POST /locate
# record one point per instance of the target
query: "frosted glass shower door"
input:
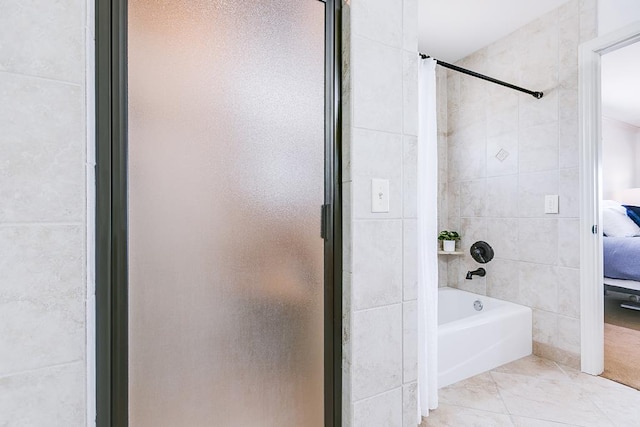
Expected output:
(225, 184)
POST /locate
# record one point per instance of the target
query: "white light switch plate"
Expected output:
(379, 195)
(551, 204)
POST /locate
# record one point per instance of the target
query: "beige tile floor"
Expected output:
(536, 392)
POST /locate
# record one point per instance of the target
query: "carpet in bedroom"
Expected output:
(621, 355)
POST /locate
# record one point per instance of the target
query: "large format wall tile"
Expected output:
(410, 25)
(538, 240)
(42, 293)
(41, 262)
(410, 93)
(464, 162)
(538, 148)
(569, 292)
(410, 177)
(538, 285)
(568, 337)
(377, 263)
(379, 20)
(537, 112)
(37, 333)
(568, 235)
(377, 351)
(347, 227)
(473, 198)
(382, 410)
(502, 197)
(410, 259)
(568, 144)
(502, 235)
(41, 150)
(52, 397)
(43, 38)
(545, 326)
(409, 348)
(503, 280)
(377, 86)
(569, 190)
(410, 405)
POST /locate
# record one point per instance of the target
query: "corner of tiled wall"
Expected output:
(537, 255)
(43, 213)
(443, 198)
(379, 141)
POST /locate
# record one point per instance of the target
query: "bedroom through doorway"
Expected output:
(620, 209)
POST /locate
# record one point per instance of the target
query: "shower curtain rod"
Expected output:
(536, 95)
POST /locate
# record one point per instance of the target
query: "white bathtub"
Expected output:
(471, 342)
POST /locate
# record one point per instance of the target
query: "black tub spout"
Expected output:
(479, 272)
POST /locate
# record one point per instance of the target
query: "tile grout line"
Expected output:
(500, 394)
(34, 370)
(40, 224)
(379, 394)
(586, 392)
(33, 76)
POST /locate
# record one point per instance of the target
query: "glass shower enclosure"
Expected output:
(225, 183)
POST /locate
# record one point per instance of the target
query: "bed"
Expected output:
(621, 249)
(622, 264)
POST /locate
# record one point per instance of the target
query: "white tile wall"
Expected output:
(378, 20)
(377, 351)
(410, 405)
(377, 283)
(537, 254)
(377, 95)
(52, 396)
(382, 410)
(43, 38)
(42, 150)
(43, 213)
(410, 260)
(538, 240)
(380, 107)
(410, 338)
(410, 177)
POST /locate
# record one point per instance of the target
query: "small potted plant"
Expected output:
(449, 240)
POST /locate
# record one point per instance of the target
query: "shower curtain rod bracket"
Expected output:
(535, 94)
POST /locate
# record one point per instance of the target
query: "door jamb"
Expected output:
(591, 258)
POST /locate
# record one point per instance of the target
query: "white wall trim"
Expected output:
(591, 269)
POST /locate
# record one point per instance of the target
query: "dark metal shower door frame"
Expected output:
(111, 215)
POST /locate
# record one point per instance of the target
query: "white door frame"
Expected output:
(591, 269)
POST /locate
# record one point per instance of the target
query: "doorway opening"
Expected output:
(592, 221)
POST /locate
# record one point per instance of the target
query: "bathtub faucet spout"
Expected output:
(479, 272)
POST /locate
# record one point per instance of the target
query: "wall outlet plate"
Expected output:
(551, 203)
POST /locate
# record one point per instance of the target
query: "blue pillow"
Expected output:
(633, 212)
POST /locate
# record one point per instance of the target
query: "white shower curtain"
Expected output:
(427, 238)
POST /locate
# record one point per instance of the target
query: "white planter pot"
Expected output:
(449, 245)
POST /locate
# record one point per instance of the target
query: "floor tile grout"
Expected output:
(538, 374)
(500, 395)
